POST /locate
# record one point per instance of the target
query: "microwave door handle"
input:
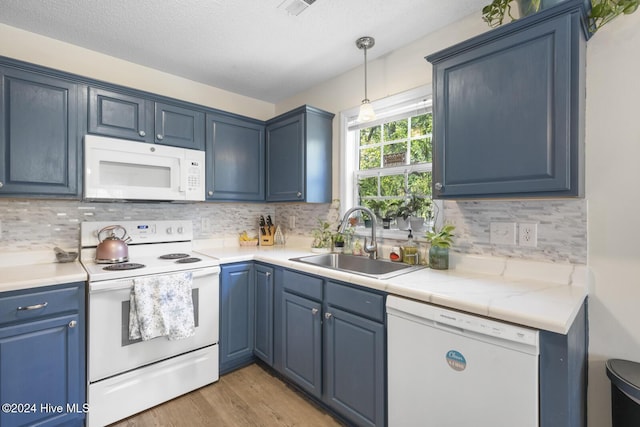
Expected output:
(183, 175)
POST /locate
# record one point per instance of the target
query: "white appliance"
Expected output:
(452, 369)
(117, 169)
(128, 376)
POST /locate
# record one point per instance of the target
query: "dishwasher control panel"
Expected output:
(425, 312)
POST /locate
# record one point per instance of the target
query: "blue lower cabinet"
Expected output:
(42, 362)
(263, 340)
(354, 367)
(333, 345)
(302, 342)
(237, 311)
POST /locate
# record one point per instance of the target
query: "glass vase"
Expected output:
(439, 258)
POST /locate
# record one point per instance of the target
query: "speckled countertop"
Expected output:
(536, 294)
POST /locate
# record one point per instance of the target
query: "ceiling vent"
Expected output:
(295, 7)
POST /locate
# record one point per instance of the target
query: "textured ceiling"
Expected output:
(250, 47)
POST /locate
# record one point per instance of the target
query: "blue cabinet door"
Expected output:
(263, 344)
(509, 108)
(179, 126)
(39, 140)
(235, 159)
(120, 115)
(40, 366)
(286, 159)
(354, 366)
(302, 342)
(237, 305)
(299, 147)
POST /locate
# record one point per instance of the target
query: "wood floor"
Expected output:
(249, 396)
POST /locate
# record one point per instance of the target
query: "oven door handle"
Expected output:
(120, 284)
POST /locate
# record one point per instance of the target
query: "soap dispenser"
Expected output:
(410, 251)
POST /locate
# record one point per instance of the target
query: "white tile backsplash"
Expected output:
(43, 224)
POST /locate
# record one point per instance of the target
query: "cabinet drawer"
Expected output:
(57, 301)
(355, 301)
(302, 284)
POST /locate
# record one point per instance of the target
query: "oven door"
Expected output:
(110, 350)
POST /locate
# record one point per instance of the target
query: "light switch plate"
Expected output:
(502, 233)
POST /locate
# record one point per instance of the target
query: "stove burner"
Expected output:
(188, 260)
(123, 266)
(174, 256)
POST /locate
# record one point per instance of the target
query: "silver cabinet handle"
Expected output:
(73, 324)
(160, 137)
(328, 315)
(438, 186)
(299, 194)
(33, 307)
(1, 184)
(210, 193)
(142, 133)
(267, 274)
(314, 311)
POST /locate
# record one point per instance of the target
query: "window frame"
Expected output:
(349, 161)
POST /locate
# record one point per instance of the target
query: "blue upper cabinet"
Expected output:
(120, 115)
(38, 134)
(235, 158)
(509, 109)
(299, 156)
(135, 117)
(179, 126)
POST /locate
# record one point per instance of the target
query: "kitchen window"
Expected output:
(387, 162)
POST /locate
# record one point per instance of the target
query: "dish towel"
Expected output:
(161, 306)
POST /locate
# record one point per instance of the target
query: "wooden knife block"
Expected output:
(267, 239)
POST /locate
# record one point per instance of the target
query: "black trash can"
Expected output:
(625, 392)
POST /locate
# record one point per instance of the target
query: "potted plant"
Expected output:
(322, 237)
(440, 241)
(338, 243)
(414, 209)
(602, 11)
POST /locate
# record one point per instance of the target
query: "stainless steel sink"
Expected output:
(376, 268)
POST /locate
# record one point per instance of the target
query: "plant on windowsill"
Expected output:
(415, 210)
(338, 243)
(322, 237)
(602, 11)
(440, 241)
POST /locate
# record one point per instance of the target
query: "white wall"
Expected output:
(34, 48)
(613, 178)
(613, 174)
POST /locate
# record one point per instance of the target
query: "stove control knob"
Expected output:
(180, 230)
(170, 230)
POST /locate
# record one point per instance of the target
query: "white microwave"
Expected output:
(116, 169)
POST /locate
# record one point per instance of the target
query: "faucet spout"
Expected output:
(372, 247)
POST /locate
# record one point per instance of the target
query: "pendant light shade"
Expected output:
(366, 110)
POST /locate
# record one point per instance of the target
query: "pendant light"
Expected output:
(366, 110)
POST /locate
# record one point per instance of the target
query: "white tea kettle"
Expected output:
(113, 248)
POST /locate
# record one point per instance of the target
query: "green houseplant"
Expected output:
(322, 237)
(440, 241)
(415, 209)
(602, 11)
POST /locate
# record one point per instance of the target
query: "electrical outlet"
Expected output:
(205, 225)
(502, 233)
(292, 222)
(528, 234)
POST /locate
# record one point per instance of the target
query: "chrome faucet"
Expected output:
(371, 249)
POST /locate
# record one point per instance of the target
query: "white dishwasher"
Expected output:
(452, 369)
